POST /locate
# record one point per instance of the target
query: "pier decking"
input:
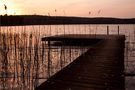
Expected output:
(100, 68)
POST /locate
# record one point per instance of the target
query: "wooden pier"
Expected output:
(100, 68)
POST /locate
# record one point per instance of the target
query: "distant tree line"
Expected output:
(45, 20)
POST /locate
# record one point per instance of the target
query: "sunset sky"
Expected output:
(89, 8)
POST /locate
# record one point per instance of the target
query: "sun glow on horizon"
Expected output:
(84, 8)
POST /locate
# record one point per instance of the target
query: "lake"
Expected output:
(24, 58)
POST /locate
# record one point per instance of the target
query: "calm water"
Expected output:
(39, 31)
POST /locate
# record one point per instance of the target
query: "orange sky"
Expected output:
(97, 8)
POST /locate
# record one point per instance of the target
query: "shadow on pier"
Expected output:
(100, 68)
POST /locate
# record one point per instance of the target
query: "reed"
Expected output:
(16, 58)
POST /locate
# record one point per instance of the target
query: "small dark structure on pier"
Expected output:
(100, 68)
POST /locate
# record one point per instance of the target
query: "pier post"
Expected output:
(61, 59)
(70, 54)
(49, 60)
(107, 30)
(118, 30)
